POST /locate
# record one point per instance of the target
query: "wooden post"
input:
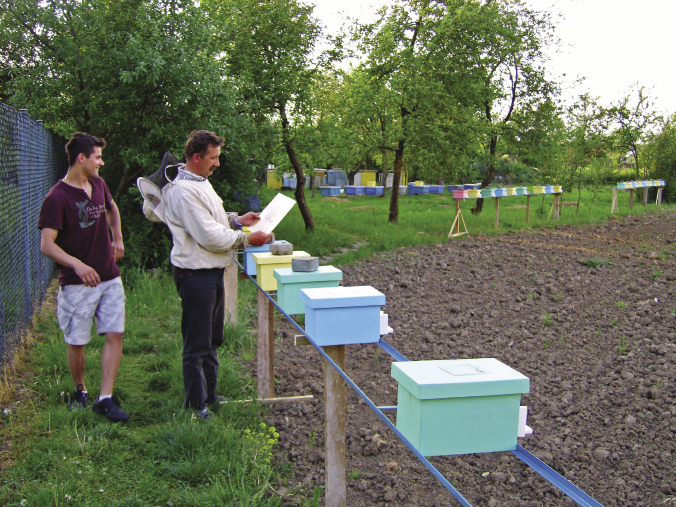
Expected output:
(631, 198)
(557, 197)
(527, 208)
(497, 212)
(457, 210)
(266, 346)
(334, 416)
(645, 197)
(613, 206)
(230, 280)
(658, 200)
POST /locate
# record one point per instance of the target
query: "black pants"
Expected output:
(203, 303)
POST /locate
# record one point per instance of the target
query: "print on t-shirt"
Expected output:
(88, 214)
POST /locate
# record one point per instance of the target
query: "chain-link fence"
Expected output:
(32, 159)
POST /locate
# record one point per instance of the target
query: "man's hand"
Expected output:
(259, 238)
(118, 249)
(88, 275)
(249, 219)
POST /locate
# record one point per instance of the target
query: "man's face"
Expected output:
(92, 163)
(207, 165)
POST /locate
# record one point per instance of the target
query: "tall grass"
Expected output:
(163, 455)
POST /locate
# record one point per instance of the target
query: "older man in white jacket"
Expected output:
(204, 237)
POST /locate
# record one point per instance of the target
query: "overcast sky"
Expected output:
(611, 44)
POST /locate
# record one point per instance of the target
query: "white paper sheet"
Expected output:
(273, 214)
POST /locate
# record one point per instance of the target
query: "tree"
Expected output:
(509, 54)
(140, 73)
(635, 118)
(661, 156)
(269, 46)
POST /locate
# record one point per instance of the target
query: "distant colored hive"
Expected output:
(459, 406)
(487, 192)
(500, 192)
(437, 189)
(374, 190)
(538, 189)
(266, 263)
(460, 194)
(421, 189)
(329, 191)
(558, 189)
(511, 191)
(342, 315)
(290, 283)
(549, 189)
(474, 193)
(354, 190)
(521, 190)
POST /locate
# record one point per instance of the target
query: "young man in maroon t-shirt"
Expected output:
(75, 217)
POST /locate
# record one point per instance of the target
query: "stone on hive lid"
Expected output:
(305, 264)
(281, 248)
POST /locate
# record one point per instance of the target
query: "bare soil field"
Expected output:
(598, 344)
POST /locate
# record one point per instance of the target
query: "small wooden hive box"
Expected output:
(474, 193)
(289, 284)
(266, 263)
(500, 192)
(354, 190)
(437, 189)
(487, 192)
(460, 194)
(511, 191)
(373, 190)
(538, 189)
(329, 191)
(558, 189)
(249, 264)
(342, 315)
(549, 189)
(521, 190)
(459, 406)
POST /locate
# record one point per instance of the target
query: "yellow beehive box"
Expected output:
(538, 189)
(474, 193)
(511, 191)
(557, 189)
(266, 263)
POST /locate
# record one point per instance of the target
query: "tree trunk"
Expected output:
(383, 166)
(394, 198)
(490, 174)
(297, 168)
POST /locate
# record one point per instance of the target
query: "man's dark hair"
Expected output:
(81, 142)
(200, 141)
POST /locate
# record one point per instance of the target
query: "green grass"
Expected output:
(164, 455)
(347, 233)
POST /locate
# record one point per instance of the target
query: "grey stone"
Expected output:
(281, 248)
(305, 264)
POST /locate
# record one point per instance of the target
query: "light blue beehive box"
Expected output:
(289, 284)
(342, 315)
(459, 406)
(329, 191)
(249, 264)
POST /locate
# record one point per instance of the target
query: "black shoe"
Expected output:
(79, 400)
(216, 399)
(111, 409)
(204, 414)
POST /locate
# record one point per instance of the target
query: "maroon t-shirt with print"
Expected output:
(83, 228)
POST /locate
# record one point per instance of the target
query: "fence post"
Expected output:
(266, 346)
(25, 154)
(230, 279)
(334, 408)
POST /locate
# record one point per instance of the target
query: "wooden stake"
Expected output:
(645, 197)
(334, 415)
(557, 209)
(266, 347)
(631, 198)
(230, 281)
(659, 196)
(458, 217)
(457, 211)
(497, 212)
(527, 208)
(613, 207)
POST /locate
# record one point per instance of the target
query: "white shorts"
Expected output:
(78, 304)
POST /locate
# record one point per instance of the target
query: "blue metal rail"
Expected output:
(575, 493)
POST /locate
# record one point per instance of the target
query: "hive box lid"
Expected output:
(253, 249)
(268, 258)
(342, 297)
(323, 273)
(459, 378)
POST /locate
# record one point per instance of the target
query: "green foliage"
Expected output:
(661, 157)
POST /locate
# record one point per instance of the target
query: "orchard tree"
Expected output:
(269, 46)
(512, 85)
(635, 119)
(142, 74)
(661, 157)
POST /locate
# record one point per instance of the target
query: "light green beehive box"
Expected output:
(289, 284)
(459, 406)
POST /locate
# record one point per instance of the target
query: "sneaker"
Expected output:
(204, 414)
(216, 399)
(110, 407)
(79, 400)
